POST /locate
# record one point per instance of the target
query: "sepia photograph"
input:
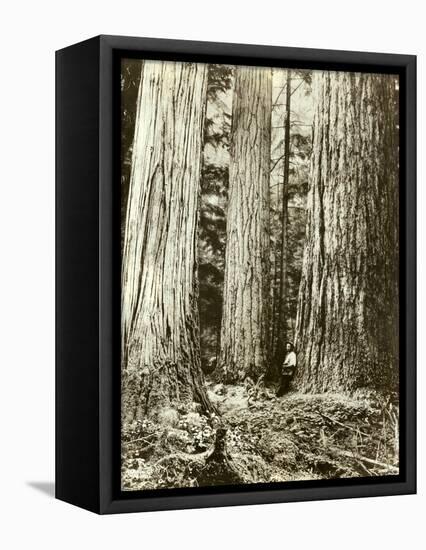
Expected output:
(259, 274)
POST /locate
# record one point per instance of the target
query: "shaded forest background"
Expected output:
(308, 162)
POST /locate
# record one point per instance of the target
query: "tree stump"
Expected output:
(220, 468)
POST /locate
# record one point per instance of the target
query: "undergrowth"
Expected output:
(268, 439)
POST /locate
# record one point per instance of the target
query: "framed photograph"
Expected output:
(235, 274)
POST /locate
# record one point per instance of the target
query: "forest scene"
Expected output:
(260, 274)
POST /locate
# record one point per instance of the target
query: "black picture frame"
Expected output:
(88, 274)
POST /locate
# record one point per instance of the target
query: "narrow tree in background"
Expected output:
(290, 152)
(160, 334)
(347, 324)
(244, 333)
(282, 299)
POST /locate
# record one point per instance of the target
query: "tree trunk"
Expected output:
(347, 323)
(282, 300)
(244, 333)
(160, 333)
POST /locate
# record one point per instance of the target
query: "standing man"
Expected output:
(287, 370)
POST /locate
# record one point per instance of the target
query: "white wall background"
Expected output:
(30, 31)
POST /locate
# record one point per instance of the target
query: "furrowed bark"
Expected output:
(160, 329)
(347, 323)
(244, 333)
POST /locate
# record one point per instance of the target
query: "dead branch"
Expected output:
(357, 430)
(348, 454)
(144, 439)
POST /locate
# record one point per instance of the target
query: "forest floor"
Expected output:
(265, 439)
